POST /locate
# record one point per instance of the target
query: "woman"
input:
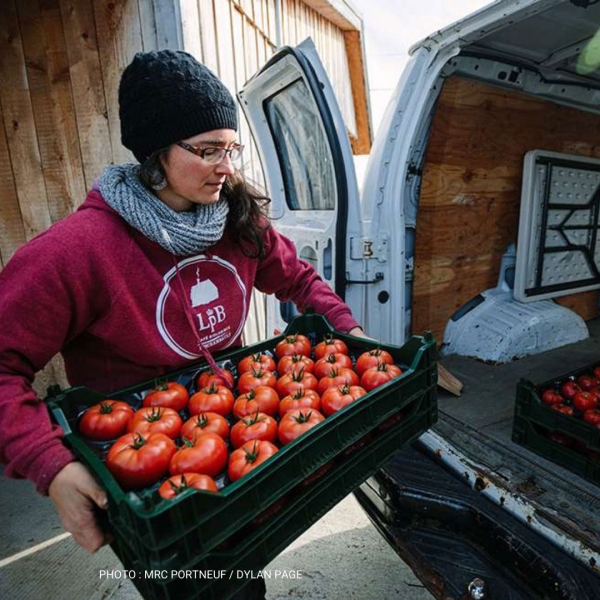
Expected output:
(154, 270)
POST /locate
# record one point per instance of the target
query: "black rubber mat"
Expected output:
(450, 535)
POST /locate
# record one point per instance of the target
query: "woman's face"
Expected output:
(191, 179)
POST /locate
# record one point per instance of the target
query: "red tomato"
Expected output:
(336, 378)
(592, 416)
(214, 398)
(586, 382)
(330, 345)
(336, 398)
(203, 423)
(177, 484)
(296, 422)
(301, 398)
(207, 454)
(569, 389)
(331, 362)
(208, 377)
(563, 408)
(255, 362)
(262, 398)
(597, 373)
(295, 362)
(106, 420)
(372, 358)
(156, 419)
(290, 382)
(376, 376)
(170, 395)
(584, 401)
(251, 379)
(258, 426)
(248, 457)
(551, 397)
(293, 344)
(137, 460)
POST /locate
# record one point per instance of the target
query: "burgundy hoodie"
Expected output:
(112, 302)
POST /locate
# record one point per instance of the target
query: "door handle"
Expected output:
(378, 277)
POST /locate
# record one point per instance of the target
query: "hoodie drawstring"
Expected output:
(187, 310)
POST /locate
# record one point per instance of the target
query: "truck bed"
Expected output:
(479, 425)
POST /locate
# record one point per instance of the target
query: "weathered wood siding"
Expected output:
(471, 190)
(60, 65)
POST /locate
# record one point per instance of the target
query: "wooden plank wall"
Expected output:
(60, 61)
(60, 65)
(471, 188)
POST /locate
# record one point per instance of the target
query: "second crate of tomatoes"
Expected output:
(559, 419)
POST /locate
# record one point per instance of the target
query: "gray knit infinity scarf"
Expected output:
(181, 233)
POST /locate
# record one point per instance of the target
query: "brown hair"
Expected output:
(151, 170)
(248, 215)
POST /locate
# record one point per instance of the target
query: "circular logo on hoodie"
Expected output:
(203, 300)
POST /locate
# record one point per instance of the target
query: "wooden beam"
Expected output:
(12, 233)
(19, 125)
(48, 75)
(338, 12)
(190, 28)
(147, 26)
(87, 87)
(119, 36)
(360, 94)
(208, 38)
(168, 24)
(225, 44)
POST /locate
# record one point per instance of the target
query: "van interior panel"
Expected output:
(471, 191)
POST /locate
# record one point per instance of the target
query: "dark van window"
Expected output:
(302, 148)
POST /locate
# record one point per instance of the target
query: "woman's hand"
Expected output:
(358, 332)
(76, 494)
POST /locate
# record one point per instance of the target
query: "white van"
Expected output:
(479, 221)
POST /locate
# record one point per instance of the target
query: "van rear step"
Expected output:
(450, 536)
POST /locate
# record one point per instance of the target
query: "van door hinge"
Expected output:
(369, 249)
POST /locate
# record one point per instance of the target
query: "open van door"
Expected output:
(309, 170)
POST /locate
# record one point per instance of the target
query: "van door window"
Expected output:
(302, 148)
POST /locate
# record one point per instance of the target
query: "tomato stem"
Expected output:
(251, 455)
(254, 418)
(106, 407)
(302, 417)
(138, 441)
(154, 414)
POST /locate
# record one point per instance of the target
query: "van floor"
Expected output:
(479, 424)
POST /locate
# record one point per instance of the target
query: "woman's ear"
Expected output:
(163, 158)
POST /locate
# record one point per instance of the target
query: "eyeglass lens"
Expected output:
(215, 155)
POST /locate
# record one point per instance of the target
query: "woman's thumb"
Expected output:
(100, 498)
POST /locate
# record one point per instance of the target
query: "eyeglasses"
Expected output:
(214, 154)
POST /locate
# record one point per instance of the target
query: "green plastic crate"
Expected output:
(196, 527)
(534, 422)
(256, 545)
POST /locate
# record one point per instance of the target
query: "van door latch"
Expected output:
(378, 277)
(362, 248)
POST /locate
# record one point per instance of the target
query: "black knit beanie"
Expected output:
(166, 96)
